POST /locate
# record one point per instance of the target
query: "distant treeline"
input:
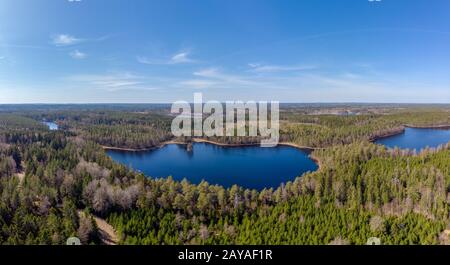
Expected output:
(139, 130)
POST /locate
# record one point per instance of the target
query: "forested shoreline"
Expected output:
(146, 131)
(361, 189)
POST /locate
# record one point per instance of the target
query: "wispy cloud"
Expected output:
(215, 78)
(112, 82)
(197, 83)
(145, 60)
(265, 68)
(178, 58)
(76, 54)
(349, 75)
(6, 60)
(65, 40)
(209, 72)
(221, 77)
(22, 46)
(298, 87)
(61, 40)
(182, 57)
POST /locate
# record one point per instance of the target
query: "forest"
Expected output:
(56, 184)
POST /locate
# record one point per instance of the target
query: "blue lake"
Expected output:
(251, 167)
(51, 125)
(414, 138)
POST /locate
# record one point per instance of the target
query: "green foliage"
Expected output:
(329, 130)
(53, 182)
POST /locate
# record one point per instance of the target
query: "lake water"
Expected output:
(251, 167)
(414, 138)
(51, 125)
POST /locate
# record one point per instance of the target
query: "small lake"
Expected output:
(251, 167)
(415, 138)
(51, 125)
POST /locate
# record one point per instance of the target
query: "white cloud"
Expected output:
(253, 65)
(112, 82)
(6, 60)
(262, 68)
(179, 58)
(197, 83)
(208, 72)
(226, 79)
(182, 57)
(108, 81)
(65, 40)
(351, 75)
(145, 60)
(77, 54)
(299, 87)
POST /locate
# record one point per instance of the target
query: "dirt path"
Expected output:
(444, 237)
(107, 233)
(21, 176)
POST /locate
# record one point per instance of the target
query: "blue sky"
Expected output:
(143, 51)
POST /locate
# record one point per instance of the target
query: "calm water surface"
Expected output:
(414, 138)
(250, 167)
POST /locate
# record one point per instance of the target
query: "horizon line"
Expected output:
(168, 103)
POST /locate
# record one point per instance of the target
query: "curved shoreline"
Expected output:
(397, 132)
(291, 144)
(142, 149)
(200, 140)
(317, 161)
(393, 133)
(443, 126)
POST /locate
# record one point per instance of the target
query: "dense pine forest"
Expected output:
(57, 184)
